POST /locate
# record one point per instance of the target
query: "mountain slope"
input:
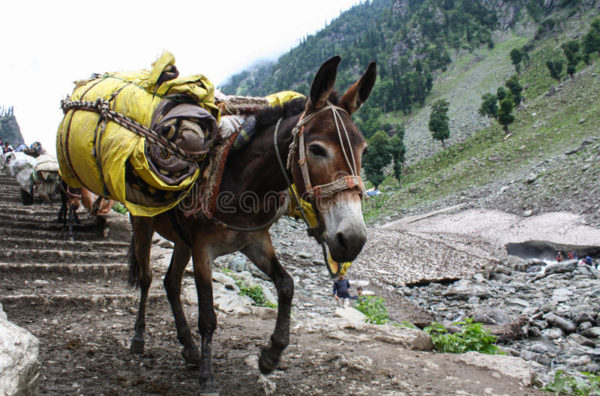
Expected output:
(550, 162)
(9, 128)
(526, 173)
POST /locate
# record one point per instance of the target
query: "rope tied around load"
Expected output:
(102, 107)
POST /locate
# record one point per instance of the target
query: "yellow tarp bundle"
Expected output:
(97, 161)
(281, 98)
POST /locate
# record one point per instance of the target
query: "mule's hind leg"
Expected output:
(172, 282)
(140, 274)
(207, 320)
(263, 256)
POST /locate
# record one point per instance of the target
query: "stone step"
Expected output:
(79, 290)
(9, 190)
(25, 241)
(31, 210)
(61, 256)
(43, 270)
(12, 198)
(26, 215)
(28, 224)
(82, 302)
(15, 197)
(60, 234)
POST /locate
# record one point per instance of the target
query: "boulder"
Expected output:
(509, 366)
(564, 324)
(464, 289)
(225, 280)
(592, 332)
(19, 368)
(350, 314)
(490, 315)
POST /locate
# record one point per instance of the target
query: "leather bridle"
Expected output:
(341, 184)
(315, 193)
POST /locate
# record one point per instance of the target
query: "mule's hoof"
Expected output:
(207, 385)
(191, 356)
(208, 392)
(266, 362)
(137, 346)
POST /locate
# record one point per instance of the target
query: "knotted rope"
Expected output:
(102, 107)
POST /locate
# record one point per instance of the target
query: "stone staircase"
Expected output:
(40, 265)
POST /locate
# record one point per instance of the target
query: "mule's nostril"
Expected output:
(341, 240)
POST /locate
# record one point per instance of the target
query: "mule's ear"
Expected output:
(323, 84)
(358, 93)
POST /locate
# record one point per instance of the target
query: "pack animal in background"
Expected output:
(21, 167)
(46, 177)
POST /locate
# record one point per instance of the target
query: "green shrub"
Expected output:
(374, 309)
(255, 293)
(404, 324)
(564, 384)
(472, 337)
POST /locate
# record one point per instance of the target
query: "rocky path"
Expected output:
(72, 295)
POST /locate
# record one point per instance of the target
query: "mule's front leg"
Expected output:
(263, 256)
(207, 320)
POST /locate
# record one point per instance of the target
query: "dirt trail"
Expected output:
(74, 298)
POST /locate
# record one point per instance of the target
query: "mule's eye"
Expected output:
(317, 150)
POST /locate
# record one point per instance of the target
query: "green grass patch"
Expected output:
(471, 337)
(255, 293)
(564, 384)
(374, 309)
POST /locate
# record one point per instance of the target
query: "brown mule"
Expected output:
(325, 160)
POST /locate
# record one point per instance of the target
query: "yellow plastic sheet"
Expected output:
(281, 98)
(88, 158)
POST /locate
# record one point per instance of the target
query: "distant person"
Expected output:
(570, 255)
(559, 257)
(586, 261)
(341, 290)
(359, 295)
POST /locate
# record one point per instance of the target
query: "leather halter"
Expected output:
(325, 190)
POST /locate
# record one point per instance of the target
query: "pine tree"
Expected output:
(516, 57)
(571, 50)
(501, 94)
(489, 106)
(398, 151)
(515, 89)
(505, 117)
(377, 157)
(438, 121)
(591, 41)
(555, 68)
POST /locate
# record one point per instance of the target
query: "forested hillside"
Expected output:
(516, 84)
(413, 41)
(409, 39)
(9, 128)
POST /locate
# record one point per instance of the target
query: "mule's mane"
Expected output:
(268, 117)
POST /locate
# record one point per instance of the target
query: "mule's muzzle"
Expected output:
(347, 241)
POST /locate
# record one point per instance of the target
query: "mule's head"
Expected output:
(333, 149)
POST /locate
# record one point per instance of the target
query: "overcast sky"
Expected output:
(46, 45)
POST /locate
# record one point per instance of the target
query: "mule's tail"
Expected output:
(134, 267)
